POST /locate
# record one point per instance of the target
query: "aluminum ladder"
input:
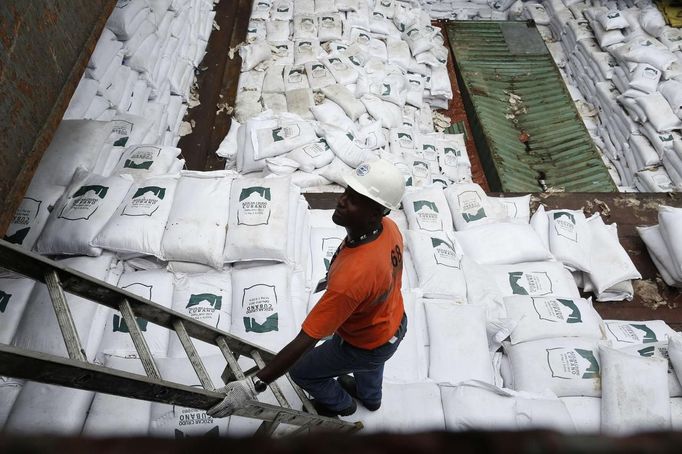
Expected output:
(77, 372)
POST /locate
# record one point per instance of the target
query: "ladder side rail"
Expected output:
(139, 341)
(64, 317)
(36, 267)
(193, 355)
(56, 370)
(274, 387)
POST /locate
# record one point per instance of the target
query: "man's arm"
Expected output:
(286, 358)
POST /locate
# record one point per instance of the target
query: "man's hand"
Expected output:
(237, 394)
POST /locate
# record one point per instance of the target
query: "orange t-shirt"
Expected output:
(363, 302)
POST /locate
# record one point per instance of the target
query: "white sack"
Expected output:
(546, 317)
(259, 219)
(197, 223)
(659, 350)
(262, 312)
(502, 243)
(427, 210)
(461, 357)
(469, 205)
(15, 291)
(438, 261)
(206, 298)
(634, 393)
(154, 285)
(81, 212)
(570, 238)
(140, 220)
(567, 366)
(32, 214)
(534, 279)
(624, 333)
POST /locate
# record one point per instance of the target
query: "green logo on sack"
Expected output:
(4, 300)
(647, 352)
(452, 151)
(215, 301)
(277, 135)
(428, 216)
(445, 254)
(419, 204)
(145, 201)
(130, 164)
(471, 206)
(21, 222)
(386, 91)
(254, 206)
(649, 335)
(593, 370)
(565, 225)
(356, 61)
(213, 433)
(534, 283)
(569, 363)
(120, 326)
(156, 191)
(557, 310)
(259, 303)
(83, 203)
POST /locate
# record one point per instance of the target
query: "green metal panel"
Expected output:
(525, 125)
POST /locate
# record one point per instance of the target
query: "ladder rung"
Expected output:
(64, 318)
(193, 356)
(139, 341)
(274, 387)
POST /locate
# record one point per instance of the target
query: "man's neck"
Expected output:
(363, 234)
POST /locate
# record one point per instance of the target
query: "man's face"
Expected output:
(352, 209)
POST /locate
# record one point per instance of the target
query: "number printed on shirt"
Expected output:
(396, 257)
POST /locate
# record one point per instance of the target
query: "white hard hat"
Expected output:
(378, 180)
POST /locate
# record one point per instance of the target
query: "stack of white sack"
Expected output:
(466, 10)
(663, 241)
(590, 249)
(368, 73)
(143, 66)
(105, 148)
(623, 66)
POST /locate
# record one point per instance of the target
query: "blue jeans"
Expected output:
(317, 369)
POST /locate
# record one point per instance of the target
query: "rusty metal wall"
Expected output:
(44, 48)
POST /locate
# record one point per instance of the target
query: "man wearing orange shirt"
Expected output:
(362, 308)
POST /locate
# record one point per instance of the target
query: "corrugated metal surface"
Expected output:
(524, 123)
(44, 47)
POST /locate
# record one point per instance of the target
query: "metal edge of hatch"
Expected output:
(527, 130)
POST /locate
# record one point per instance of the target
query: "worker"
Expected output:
(361, 309)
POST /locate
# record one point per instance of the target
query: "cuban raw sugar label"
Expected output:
(565, 225)
(572, 363)
(634, 333)
(329, 247)
(308, 24)
(420, 169)
(557, 310)
(23, 218)
(451, 156)
(120, 132)
(338, 64)
(142, 158)
(319, 71)
(205, 307)
(534, 283)
(428, 216)
(471, 205)
(445, 254)
(145, 201)
(511, 208)
(405, 139)
(259, 306)
(295, 75)
(84, 202)
(429, 152)
(327, 22)
(281, 50)
(254, 206)
(315, 149)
